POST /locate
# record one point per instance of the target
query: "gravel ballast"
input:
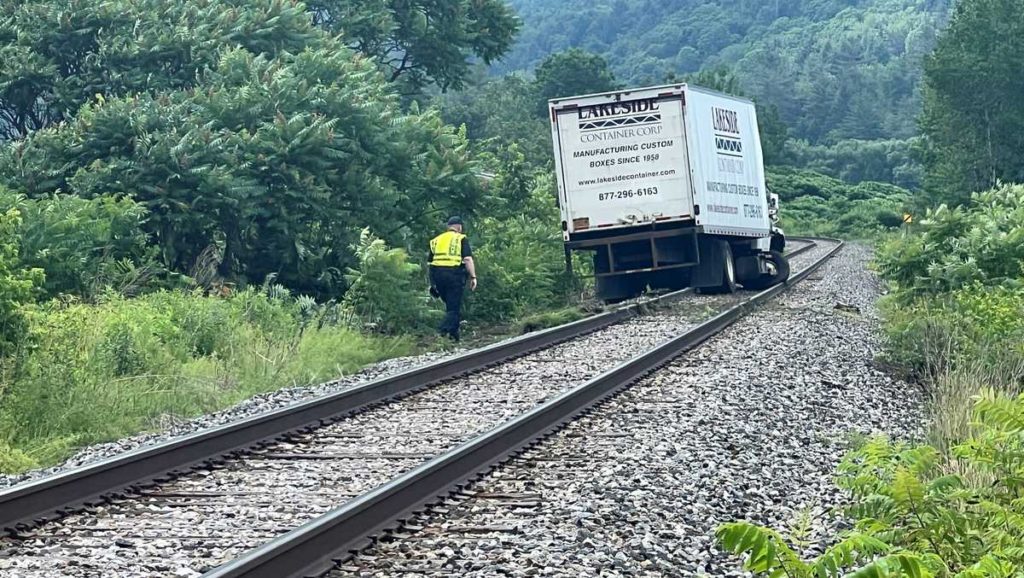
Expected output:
(209, 517)
(171, 427)
(750, 426)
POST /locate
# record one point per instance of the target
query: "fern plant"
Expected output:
(911, 518)
(768, 554)
(386, 291)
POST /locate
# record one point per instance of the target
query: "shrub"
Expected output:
(913, 516)
(521, 269)
(84, 246)
(930, 334)
(520, 259)
(814, 204)
(955, 247)
(12, 460)
(17, 286)
(957, 342)
(386, 291)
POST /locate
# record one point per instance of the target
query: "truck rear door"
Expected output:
(621, 162)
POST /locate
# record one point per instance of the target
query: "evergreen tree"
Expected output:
(973, 119)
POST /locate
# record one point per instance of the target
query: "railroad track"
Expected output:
(318, 478)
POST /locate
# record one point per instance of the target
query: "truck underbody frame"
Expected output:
(641, 252)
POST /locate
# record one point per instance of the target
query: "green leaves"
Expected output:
(813, 203)
(422, 42)
(519, 255)
(84, 246)
(849, 552)
(570, 73)
(826, 64)
(65, 53)
(17, 287)
(956, 247)
(894, 566)
(766, 552)
(914, 520)
(257, 132)
(386, 291)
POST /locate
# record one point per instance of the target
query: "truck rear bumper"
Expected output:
(641, 252)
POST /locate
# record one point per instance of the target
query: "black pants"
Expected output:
(450, 283)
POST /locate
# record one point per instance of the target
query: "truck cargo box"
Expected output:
(662, 154)
(665, 187)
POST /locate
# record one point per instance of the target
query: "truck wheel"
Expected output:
(728, 267)
(778, 242)
(766, 281)
(728, 271)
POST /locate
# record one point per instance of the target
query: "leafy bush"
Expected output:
(17, 286)
(982, 242)
(100, 371)
(12, 460)
(281, 160)
(929, 335)
(84, 245)
(814, 204)
(521, 270)
(912, 515)
(958, 342)
(386, 290)
(956, 314)
(520, 260)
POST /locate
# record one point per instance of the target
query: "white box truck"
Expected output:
(666, 187)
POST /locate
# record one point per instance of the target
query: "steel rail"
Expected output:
(314, 547)
(31, 504)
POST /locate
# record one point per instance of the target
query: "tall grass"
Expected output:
(96, 372)
(957, 345)
(952, 391)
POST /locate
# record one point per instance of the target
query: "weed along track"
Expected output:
(232, 495)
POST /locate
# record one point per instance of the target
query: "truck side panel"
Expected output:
(725, 153)
(621, 162)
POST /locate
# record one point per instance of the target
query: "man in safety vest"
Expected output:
(450, 260)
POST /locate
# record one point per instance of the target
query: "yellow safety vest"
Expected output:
(447, 249)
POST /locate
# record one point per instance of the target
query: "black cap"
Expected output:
(454, 220)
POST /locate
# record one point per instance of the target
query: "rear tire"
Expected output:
(728, 267)
(728, 271)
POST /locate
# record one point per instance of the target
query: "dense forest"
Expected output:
(844, 75)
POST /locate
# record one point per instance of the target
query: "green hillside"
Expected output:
(836, 69)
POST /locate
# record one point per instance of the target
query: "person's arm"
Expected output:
(471, 268)
(467, 260)
(430, 278)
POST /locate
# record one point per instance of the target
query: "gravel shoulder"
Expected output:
(748, 427)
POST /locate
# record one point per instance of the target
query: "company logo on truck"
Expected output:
(726, 121)
(727, 132)
(619, 114)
